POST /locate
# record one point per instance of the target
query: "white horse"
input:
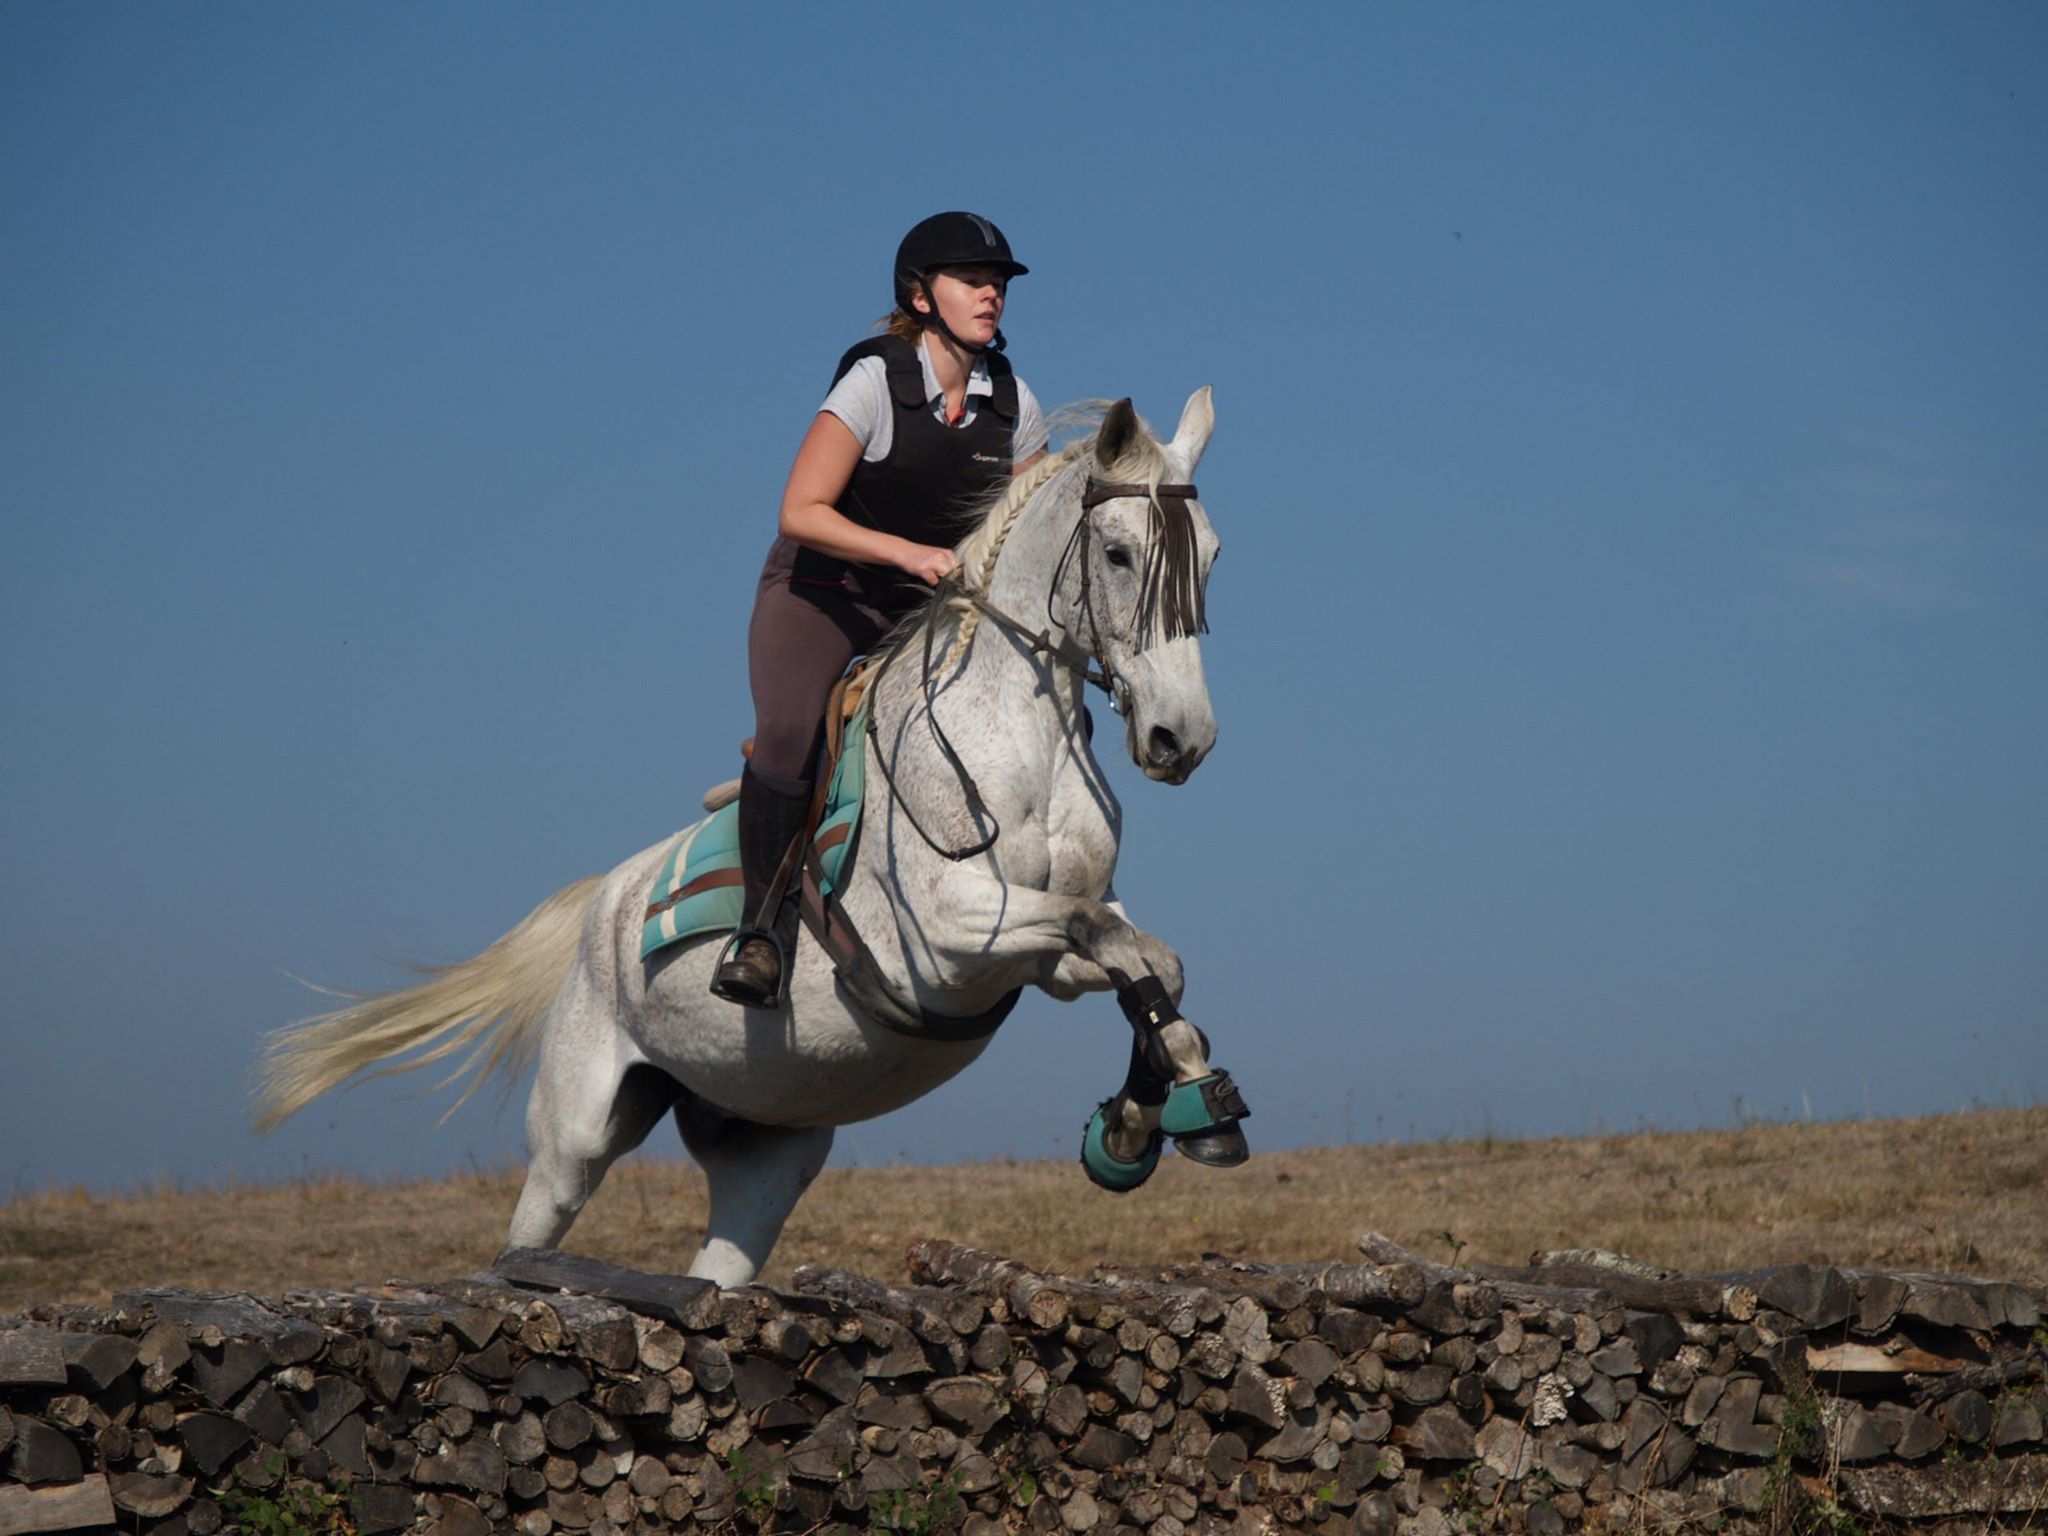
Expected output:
(1080, 540)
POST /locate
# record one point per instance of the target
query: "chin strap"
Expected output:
(945, 330)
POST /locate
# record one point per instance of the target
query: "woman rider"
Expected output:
(922, 424)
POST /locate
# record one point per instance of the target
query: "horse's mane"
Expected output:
(1142, 463)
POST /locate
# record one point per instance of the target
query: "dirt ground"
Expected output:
(1965, 1193)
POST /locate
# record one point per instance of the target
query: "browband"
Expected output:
(1100, 491)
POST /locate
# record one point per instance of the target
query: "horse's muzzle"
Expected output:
(1168, 759)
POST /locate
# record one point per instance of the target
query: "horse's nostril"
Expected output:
(1165, 745)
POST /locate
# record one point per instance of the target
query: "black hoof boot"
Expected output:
(751, 974)
(1225, 1148)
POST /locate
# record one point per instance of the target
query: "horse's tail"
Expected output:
(490, 1005)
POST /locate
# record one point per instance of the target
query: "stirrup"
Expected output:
(720, 987)
(1202, 1116)
(1104, 1168)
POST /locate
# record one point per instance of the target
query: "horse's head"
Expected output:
(1135, 579)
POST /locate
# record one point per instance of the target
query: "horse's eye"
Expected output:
(1118, 557)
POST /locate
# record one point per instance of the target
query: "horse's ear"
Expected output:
(1197, 421)
(1120, 429)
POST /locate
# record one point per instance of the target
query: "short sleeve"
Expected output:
(861, 400)
(1030, 435)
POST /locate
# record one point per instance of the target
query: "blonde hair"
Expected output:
(897, 323)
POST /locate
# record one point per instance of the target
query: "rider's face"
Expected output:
(970, 301)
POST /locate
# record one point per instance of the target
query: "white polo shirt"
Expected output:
(861, 400)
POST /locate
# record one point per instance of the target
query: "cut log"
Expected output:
(88, 1502)
(1659, 1292)
(549, 1381)
(2008, 1485)
(1031, 1296)
(1438, 1434)
(1893, 1359)
(1384, 1251)
(149, 1496)
(378, 1508)
(41, 1454)
(211, 1440)
(1985, 1378)
(967, 1403)
(98, 1360)
(331, 1400)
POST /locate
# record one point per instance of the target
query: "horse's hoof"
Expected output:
(1226, 1148)
(1201, 1117)
(1104, 1168)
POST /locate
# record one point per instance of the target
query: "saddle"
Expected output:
(699, 888)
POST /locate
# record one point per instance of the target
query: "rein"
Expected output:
(1171, 589)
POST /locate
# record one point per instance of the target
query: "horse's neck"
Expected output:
(1047, 691)
(998, 679)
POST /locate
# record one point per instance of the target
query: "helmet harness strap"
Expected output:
(972, 349)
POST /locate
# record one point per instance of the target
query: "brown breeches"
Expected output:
(801, 638)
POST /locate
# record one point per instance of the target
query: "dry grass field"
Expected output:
(1966, 1193)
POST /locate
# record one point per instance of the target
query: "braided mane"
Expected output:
(1176, 592)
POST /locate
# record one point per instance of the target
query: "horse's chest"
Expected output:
(1078, 848)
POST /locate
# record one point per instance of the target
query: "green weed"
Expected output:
(290, 1509)
(920, 1511)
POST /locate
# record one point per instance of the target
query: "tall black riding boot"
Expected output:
(772, 815)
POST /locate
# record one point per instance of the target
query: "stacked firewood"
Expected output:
(1394, 1395)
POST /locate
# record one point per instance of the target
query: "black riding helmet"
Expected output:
(949, 240)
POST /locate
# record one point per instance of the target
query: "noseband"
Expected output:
(1170, 593)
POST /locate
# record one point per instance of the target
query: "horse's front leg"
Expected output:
(1070, 973)
(1170, 1087)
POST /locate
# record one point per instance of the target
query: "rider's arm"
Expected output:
(1032, 439)
(824, 466)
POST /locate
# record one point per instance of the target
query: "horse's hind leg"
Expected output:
(589, 1108)
(756, 1174)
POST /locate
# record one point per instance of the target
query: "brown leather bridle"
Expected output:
(1170, 587)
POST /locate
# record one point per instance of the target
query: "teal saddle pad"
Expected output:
(698, 890)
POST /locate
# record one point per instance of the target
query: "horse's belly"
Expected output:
(815, 1065)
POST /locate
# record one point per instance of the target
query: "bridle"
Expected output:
(1170, 592)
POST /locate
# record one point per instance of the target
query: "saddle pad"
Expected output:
(698, 887)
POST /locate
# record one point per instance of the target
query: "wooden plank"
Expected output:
(65, 1507)
(236, 1314)
(32, 1357)
(679, 1299)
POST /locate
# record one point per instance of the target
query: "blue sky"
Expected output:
(1631, 452)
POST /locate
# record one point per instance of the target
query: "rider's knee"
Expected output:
(783, 755)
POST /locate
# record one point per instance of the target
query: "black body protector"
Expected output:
(932, 477)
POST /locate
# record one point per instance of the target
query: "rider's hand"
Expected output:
(928, 564)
